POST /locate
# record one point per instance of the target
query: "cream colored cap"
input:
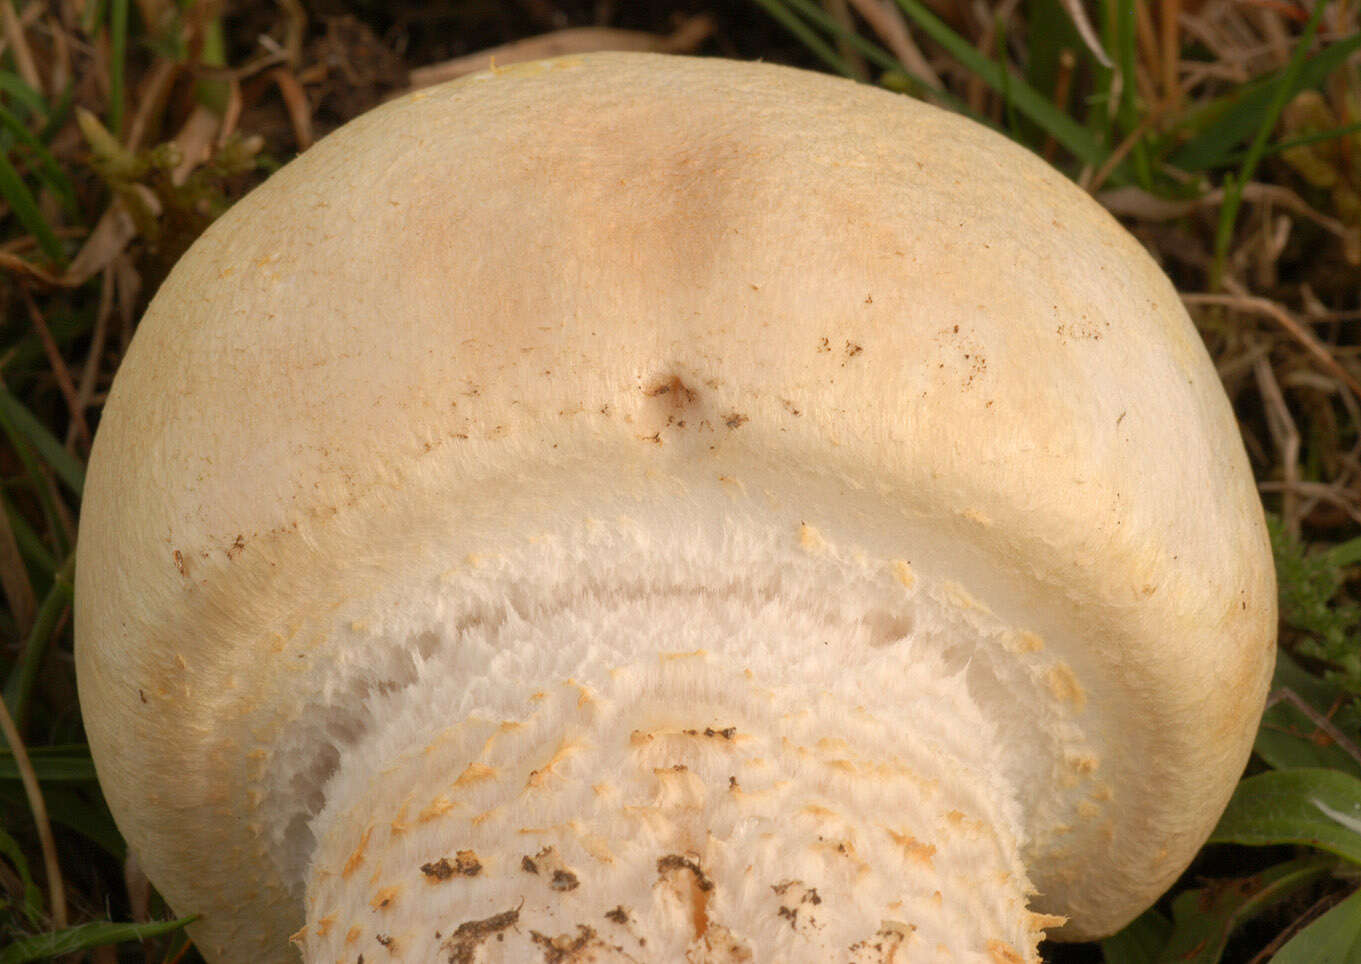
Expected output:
(620, 268)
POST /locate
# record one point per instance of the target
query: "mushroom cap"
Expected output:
(506, 284)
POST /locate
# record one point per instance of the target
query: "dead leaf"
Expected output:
(576, 40)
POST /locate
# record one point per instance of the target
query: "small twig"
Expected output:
(1289, 11)
(1196, 73)
(61, 55)
(1078, 15)
(1315, 911)
(273, 56)
(28, 242)
(59, 369)
(887, 22)
(113, 232)
(23, 56)
(1116, 156)
(155, 90)
(1170, 16)
(64, 517)
(1286, 695)
(1287, 438)
(991, 19)
(33, 791)
(1317, 491)
(1232, 367)
(18, 587)
(195, 141)
(153, 12)
(127, 286)
(1266, 123)
(1149, 59)
(975, 90)
(840, 11)
(295, 100)
(138, 888)
(231, 116)
(1136, 202)
(295, 30)
(576, 40)
(89, 376)
(1233, 49)
(1298, 331)
(183, 951)
(27, 269)
(1328, 315)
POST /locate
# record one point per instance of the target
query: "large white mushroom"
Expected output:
(629, 508)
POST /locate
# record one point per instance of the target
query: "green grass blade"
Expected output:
(41, 489)
(33, 897)
(875, 54)
(38, 483)
(1054, 122)
(25, 208)
(83, 937)
(30, 439)
(1103, 112)
(806, 36)
(213, 92)
(69, 763)
(1285, 87)
(60, 116)
(93, 16)
(15, 417)
(1235, 119)
(77, 808)
(30, 543)
(1008, 104)
(17, 89)
(1128, 111)
(19, 686)
(1304, 140)
(51, 171)
(1049, 33)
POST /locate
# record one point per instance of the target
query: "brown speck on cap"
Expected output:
(564, 880)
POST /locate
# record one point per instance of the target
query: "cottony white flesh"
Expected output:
(727, 740)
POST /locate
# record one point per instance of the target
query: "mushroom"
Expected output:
(636, 508)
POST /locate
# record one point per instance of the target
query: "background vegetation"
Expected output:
(1225, 133)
